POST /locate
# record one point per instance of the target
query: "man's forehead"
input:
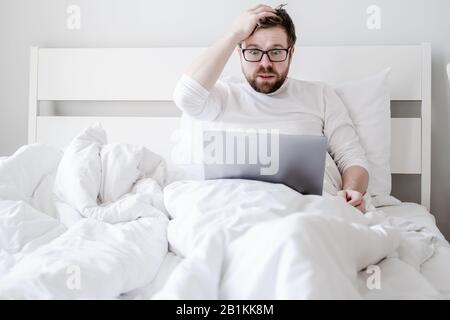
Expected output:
(267, 38)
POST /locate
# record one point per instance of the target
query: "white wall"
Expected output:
(150, 23)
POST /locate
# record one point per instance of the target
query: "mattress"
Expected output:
(396, 279)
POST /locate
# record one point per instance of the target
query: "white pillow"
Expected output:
(368, 102)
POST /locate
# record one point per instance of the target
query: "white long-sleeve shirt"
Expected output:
(297, 107)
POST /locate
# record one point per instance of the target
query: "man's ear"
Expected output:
(291, 54)
(239, 52)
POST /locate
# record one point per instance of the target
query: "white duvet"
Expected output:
(88, 223)
(255, 240)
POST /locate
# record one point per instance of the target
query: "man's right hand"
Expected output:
(247, 21)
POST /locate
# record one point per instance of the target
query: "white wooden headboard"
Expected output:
(150, 74)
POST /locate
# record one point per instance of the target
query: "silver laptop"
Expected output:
(297, 161)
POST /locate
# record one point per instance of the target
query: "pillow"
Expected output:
(368, 102)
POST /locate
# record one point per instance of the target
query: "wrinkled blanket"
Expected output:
(255, 240)
(86, 223)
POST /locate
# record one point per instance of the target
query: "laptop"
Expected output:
(297, 161)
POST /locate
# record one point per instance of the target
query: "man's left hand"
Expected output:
(354, 198)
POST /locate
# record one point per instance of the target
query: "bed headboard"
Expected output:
(150, 74)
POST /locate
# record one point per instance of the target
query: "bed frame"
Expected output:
(150, 74)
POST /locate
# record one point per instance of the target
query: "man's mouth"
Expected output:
(266, 76)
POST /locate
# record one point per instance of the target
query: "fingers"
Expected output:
(362, 206)
(263, 15)
(355, 200)
(261, 8)
(256, 7)
(264, 9)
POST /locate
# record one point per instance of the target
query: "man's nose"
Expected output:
(265, 61)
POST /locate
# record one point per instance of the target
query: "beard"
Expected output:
(269, 85)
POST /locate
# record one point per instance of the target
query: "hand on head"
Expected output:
(248, 20)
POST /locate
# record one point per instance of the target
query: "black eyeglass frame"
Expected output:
(265, 52)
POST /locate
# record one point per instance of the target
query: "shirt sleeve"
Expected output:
(193, 99)
(343, 141)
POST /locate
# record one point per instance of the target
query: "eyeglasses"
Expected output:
(256, 55)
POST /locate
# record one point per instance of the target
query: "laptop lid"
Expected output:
(297, 161)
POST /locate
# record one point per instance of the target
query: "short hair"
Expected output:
(283, 20)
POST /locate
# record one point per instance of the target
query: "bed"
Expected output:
(147, 76)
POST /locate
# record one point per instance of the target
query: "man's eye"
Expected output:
(275, 52)
(254, 52)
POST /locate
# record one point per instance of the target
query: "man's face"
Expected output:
(266, 76)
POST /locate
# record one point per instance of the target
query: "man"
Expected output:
(265, 39)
